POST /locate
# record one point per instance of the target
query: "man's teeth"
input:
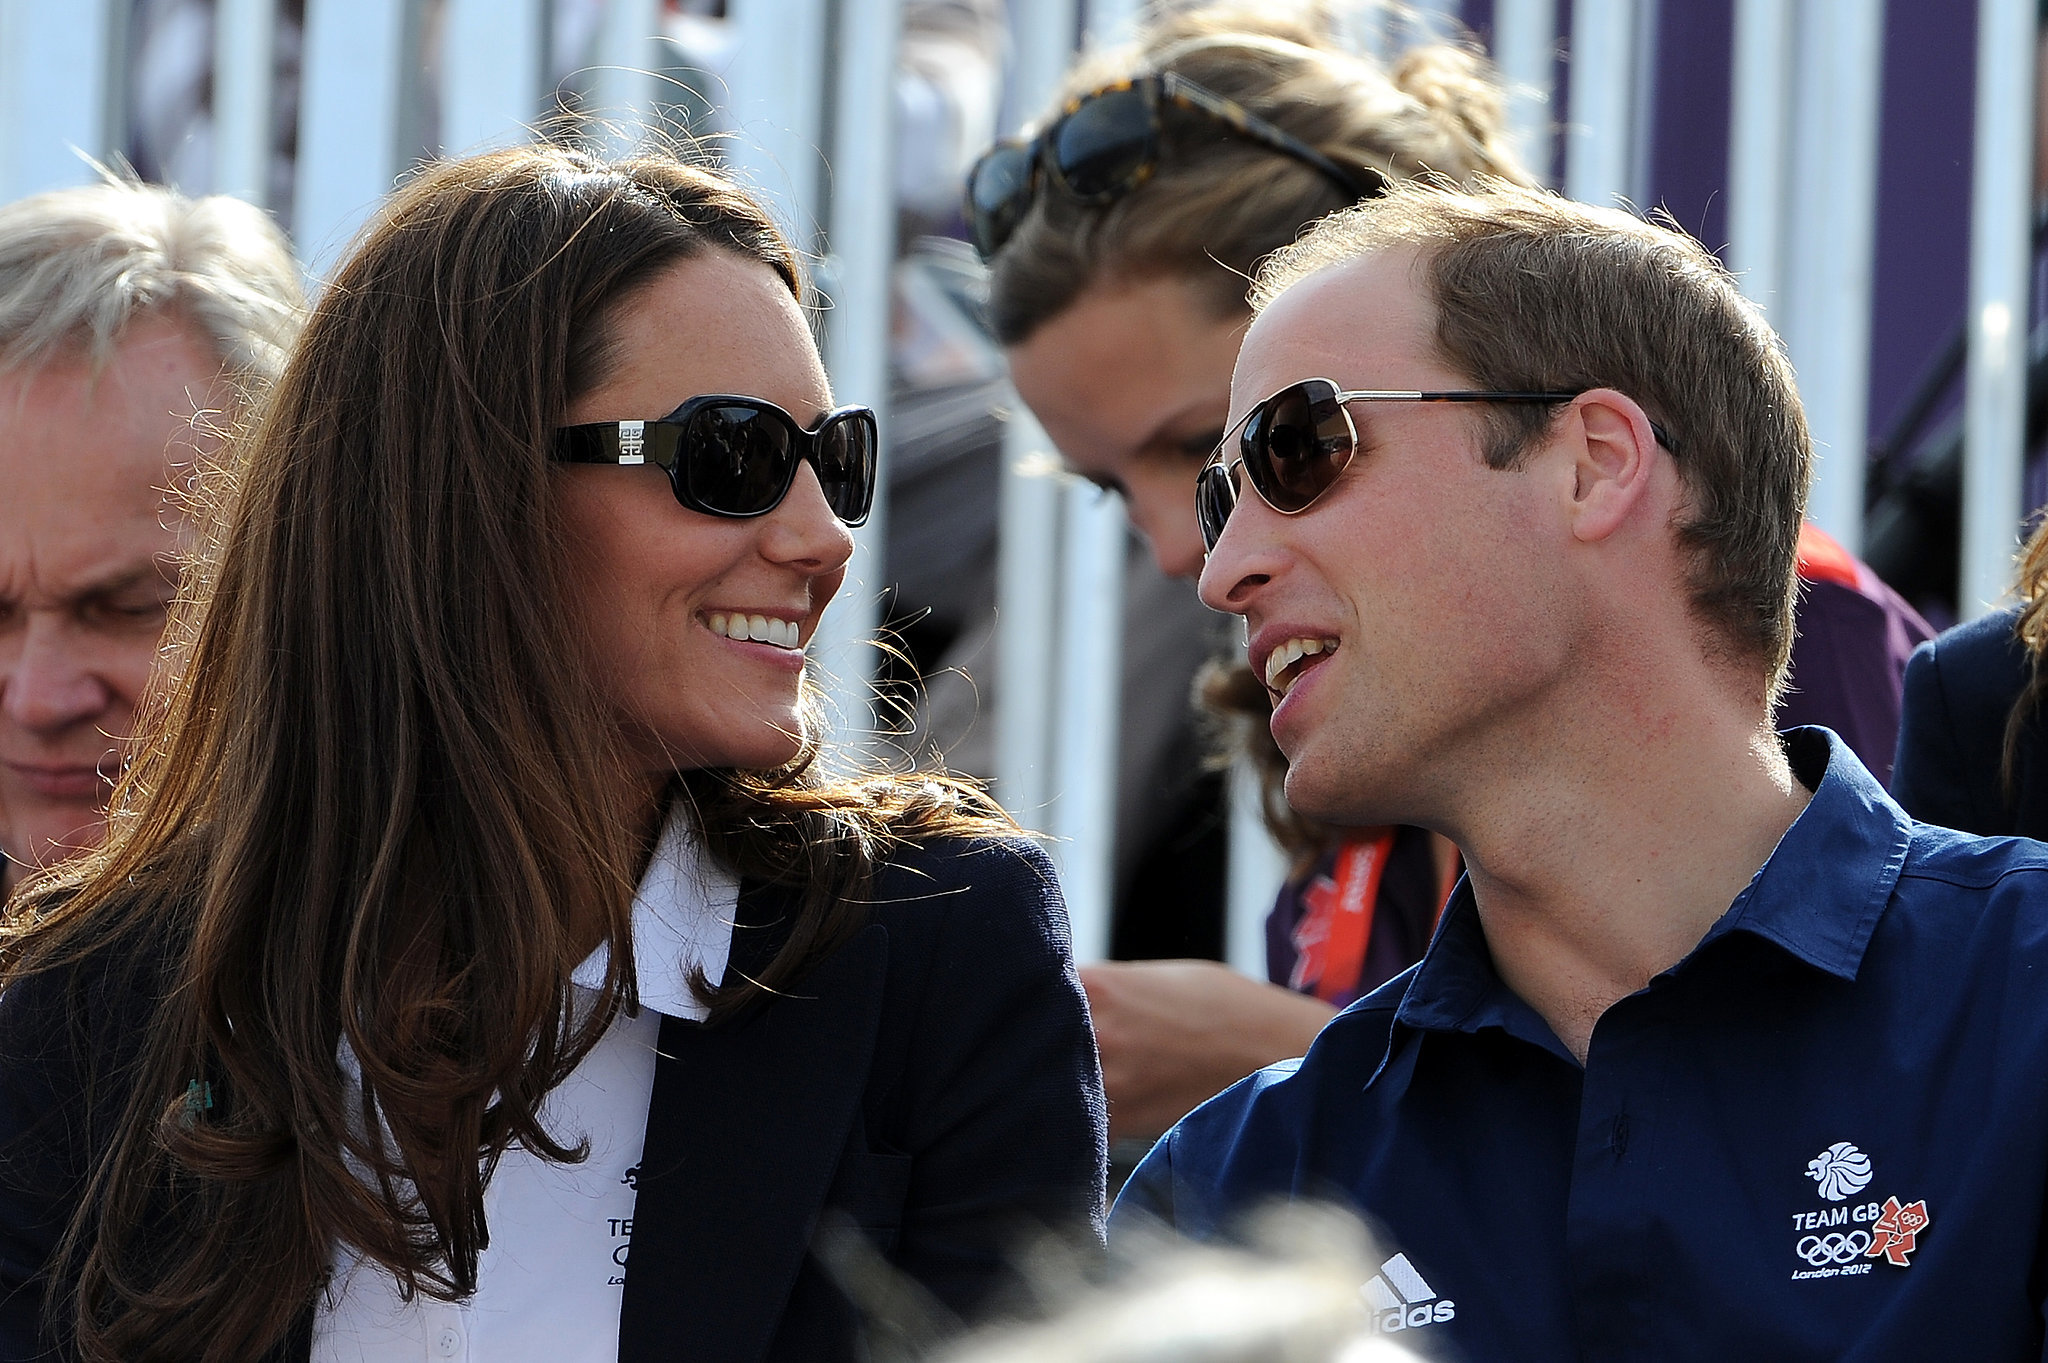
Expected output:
(759, 628)
(1290, 653)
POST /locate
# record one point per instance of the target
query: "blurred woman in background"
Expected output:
(357, 1040)
(1120, 239)
(1973, 753)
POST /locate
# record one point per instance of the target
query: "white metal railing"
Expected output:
(352, 100)
(1525, 49)
(1801, 201)
(1600, 139)
(1027, 532)
(244, 66)
(1758, 149)
(494, 72)
(862, 240)
(57, 90)
(1832, 237)
(1995, 387)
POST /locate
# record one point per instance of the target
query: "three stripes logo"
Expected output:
(1401, 1300)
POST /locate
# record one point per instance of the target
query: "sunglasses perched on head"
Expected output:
(737, 456)
(1106, 143)
(1292, 446)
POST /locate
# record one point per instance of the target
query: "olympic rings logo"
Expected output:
(1834, 1248)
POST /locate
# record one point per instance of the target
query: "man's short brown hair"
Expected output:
(1534, 291)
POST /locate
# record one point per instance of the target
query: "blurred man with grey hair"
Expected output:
(135, 325)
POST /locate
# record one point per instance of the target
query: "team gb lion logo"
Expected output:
(1841, 1170)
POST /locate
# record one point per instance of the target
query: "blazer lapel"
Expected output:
(744, 1134)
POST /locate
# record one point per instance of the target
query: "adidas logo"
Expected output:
(1401, 1300)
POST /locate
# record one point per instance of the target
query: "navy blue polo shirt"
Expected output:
(1821, 1135)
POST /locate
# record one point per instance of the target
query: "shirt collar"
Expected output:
(1827, 883)
(1818, 897)
(683, 916)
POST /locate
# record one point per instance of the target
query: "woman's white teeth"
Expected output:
(759, 628)
(1290, 653)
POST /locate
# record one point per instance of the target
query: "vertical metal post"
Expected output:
(244, 61)
(1027, 615)
(1083, 814)
(1028, 528)
(1525, 49)
(1257, 868)
(1759, 123)
(350, 106)
(57, 91)
(1826, 287)
(623, 92)
(777, 108)
(493, 72)
(1599, 143)
(1995, 387)
(861, 242)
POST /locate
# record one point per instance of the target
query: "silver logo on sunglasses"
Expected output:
(632, 439)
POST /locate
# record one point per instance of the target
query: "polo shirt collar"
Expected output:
(1818, 897)
(1824, 888)
(683, 915)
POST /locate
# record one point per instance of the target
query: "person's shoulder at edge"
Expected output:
(68, 1037)
(1958, 689)
(1001, 1071)
(1242, 1145)
(1975, 864)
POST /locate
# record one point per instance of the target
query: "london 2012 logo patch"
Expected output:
(1847, 1239)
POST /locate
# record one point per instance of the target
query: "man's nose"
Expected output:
(1244, 559)
(50, 683)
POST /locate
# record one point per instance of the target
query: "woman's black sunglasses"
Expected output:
(1293, 445)
(737, 456)
(1106, 143)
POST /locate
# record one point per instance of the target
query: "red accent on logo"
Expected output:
(1892, 1235)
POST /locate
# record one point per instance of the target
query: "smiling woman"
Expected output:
(357, 1038)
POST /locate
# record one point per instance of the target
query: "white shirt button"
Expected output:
(448, 1342)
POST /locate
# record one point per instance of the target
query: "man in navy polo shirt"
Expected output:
(1716, 1054)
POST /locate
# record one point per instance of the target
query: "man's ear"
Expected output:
(1614, 452)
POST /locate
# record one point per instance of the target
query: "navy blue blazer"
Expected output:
(933, 1083)
(1960, 687)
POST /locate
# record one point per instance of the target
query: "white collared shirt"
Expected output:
(548, 1286)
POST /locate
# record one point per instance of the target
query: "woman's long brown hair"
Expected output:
(381, 807)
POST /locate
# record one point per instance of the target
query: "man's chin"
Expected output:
(1341, 799)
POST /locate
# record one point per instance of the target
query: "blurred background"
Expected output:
(1870, 168)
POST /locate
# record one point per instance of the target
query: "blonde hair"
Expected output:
(2031, 629)
(78, 265)
(1215, 206)
(1292, 1293)
(1535, 292)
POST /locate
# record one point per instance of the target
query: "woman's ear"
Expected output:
(1614, 451)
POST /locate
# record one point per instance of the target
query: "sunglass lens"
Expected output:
(1098, 149)
(998, 194)
(1295, 444)
(1215, 499)
(846, 465)
(739, 458)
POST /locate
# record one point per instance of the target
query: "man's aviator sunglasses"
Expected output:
(1106, 143)
(1293, 445)
(737, 456)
